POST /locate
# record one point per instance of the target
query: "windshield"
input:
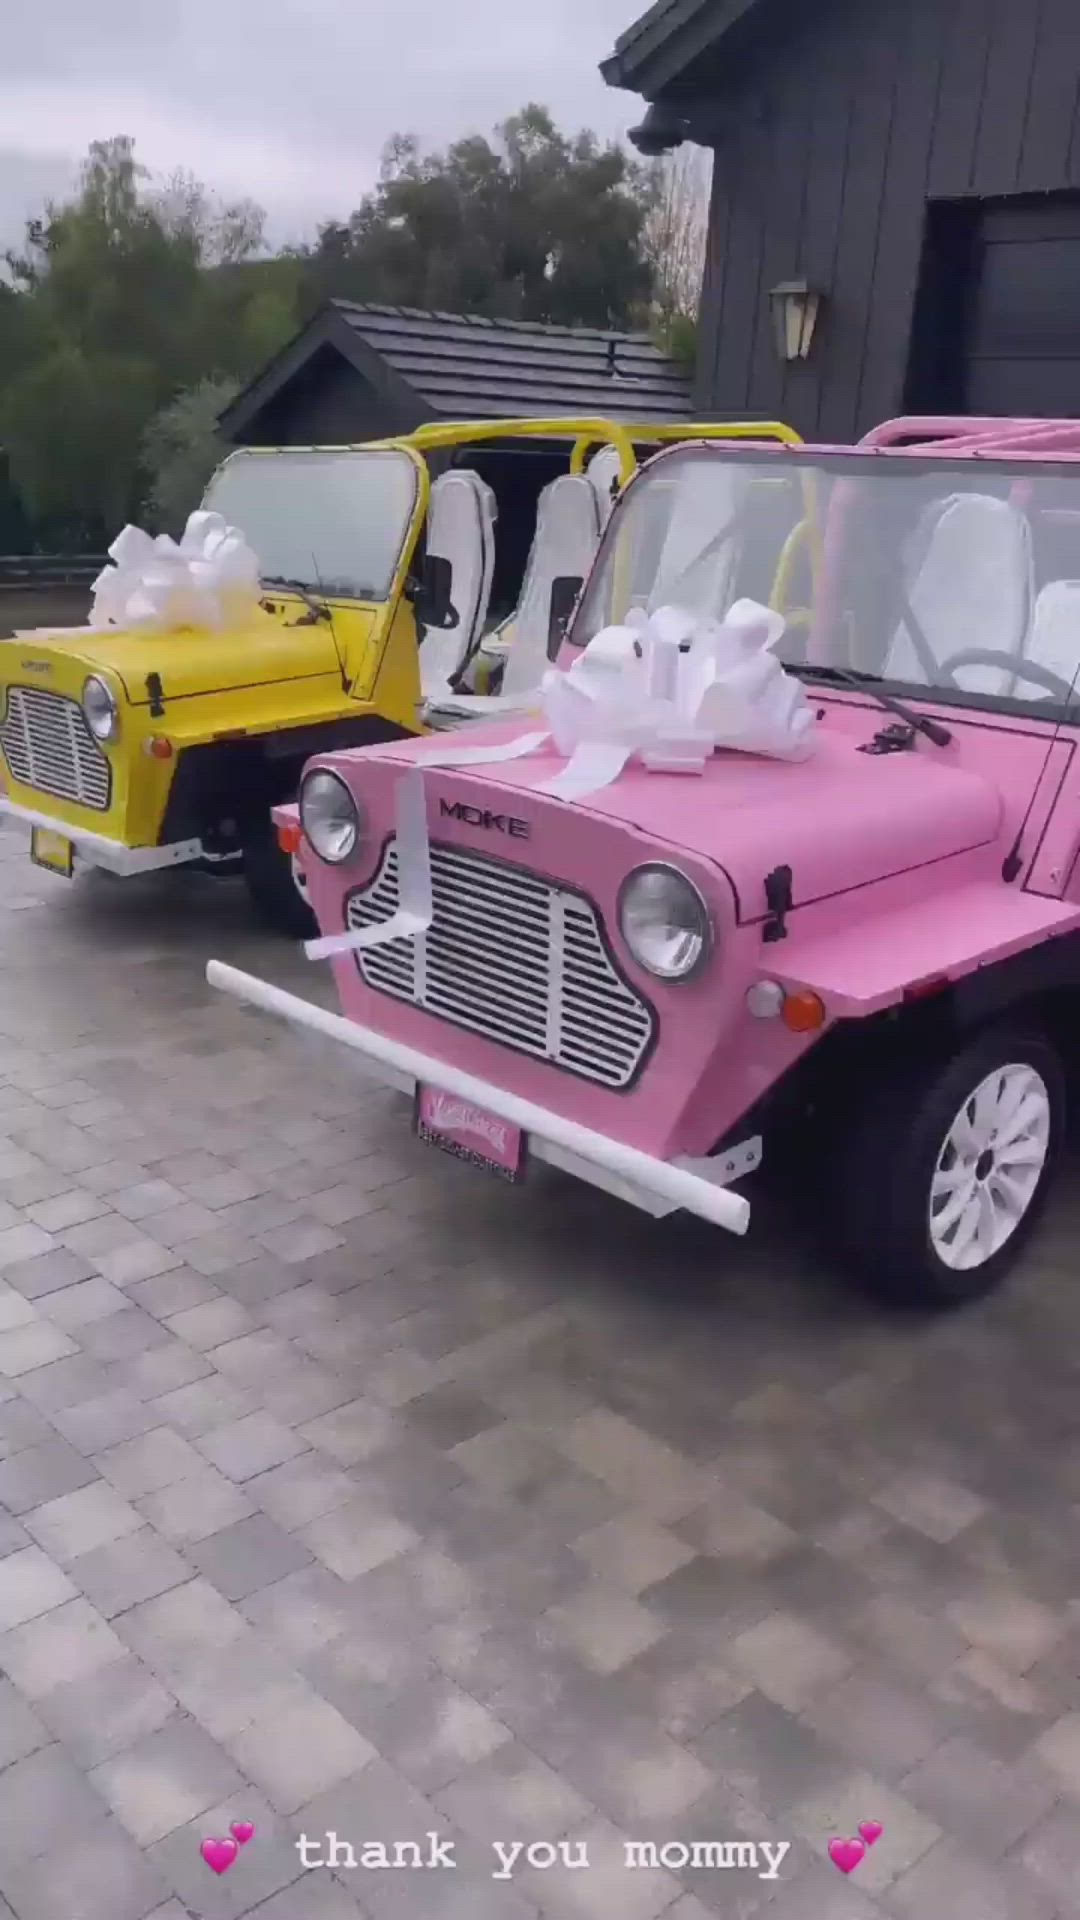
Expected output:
(334, 521)
(956, 576)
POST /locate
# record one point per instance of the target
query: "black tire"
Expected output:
(886, 1155)
(269, 876)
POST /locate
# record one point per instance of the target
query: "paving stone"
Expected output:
(154, 1460)
(300, 1752)
(47, 1273)
(23, 1243)
(268, 1866)
(21, 1730)
(78, 1522)
(138, 1258)
(41, 1797)
(21, 1425)
(954, 1882)
(512, 1792)
(135, 1568)
(106, 1711)
(64, 1644)
(357, 1431)
(837, 1810)
(789, 1660)
(69, 1209)
(202, 1404)
(252, 1554)
(356, 1538)
(85, 1302)
(212, 1323)
(186, 1621)
(165, 1294)
(99, 1876)
(606, 1628)
(15, 1311)
(30, 1584)
(1011, 1626)
(301, 1490)
(195, 1508)
(1050, 1857)
(165, 1780)
(242, 1448)
(94, 1425)
(40, 1473)
(34, 1345)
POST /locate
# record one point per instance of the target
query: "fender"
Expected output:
(877, 963)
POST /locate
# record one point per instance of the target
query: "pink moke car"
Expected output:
(867, 942)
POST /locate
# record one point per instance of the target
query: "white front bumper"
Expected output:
(658, 1186)
(95, 850)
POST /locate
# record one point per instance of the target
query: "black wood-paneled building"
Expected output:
(916, 162)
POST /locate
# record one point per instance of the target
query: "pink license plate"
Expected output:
(470, 1133)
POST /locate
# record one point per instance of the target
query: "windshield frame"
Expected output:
(297, 457)
(859, 463)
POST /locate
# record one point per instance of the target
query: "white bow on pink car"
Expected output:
(667, 688)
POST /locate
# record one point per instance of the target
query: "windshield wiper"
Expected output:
(317, 607)
(867, 683)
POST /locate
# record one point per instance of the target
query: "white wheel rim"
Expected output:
(990, 1166)
(299, 877)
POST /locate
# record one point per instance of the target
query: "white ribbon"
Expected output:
(209, 579)
(667, 688)
(414, 911)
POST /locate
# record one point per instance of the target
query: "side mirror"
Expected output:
(435, 610)
(564, 594)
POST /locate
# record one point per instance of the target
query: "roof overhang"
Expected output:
(328, 329)
(660, 49)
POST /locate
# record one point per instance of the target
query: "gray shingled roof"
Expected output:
(462, 367)
(472, 368)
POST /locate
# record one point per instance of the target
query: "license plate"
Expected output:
(52, 850)
(470, 1133)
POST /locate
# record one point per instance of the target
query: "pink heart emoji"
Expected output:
(871, 1831)
(243, 1831)
(846, 1854)
(219, 1854)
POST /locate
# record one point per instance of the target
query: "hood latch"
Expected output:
(899, 738)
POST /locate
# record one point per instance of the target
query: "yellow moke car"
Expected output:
(137, 750)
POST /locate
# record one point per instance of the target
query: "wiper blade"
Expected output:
(317, 607)
(867, 683)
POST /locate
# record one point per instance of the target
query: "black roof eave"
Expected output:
(660, 46)
(328, 328)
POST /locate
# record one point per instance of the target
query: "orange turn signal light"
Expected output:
(159, 748)
(290, 838)
(803, 1012)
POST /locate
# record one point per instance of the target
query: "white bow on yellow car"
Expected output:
(207, 579)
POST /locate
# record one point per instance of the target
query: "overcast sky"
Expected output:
(289, 101)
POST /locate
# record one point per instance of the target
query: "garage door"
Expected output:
(1021, 351)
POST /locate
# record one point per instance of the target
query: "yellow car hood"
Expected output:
(190, 663)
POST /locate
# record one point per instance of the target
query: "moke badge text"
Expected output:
(480, 817)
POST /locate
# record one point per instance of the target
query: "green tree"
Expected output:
(530, 225)
(181, 448)
(119, 300)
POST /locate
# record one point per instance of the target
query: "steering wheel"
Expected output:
(1039, 676)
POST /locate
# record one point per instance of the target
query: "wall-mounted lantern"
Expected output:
(796, 309)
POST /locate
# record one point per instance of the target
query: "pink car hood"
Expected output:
(840, 819)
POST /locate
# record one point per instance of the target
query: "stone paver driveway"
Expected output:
(342, 1492)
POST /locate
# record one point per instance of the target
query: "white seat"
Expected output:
(461, 530)
(1055, 637)
(568, 526)
(603, 472)
(972, 587)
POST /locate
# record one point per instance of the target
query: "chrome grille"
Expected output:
(48, 746)
(514, 958)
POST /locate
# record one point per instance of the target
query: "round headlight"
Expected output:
(99, 706)
(329, 815)
(665, 922)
